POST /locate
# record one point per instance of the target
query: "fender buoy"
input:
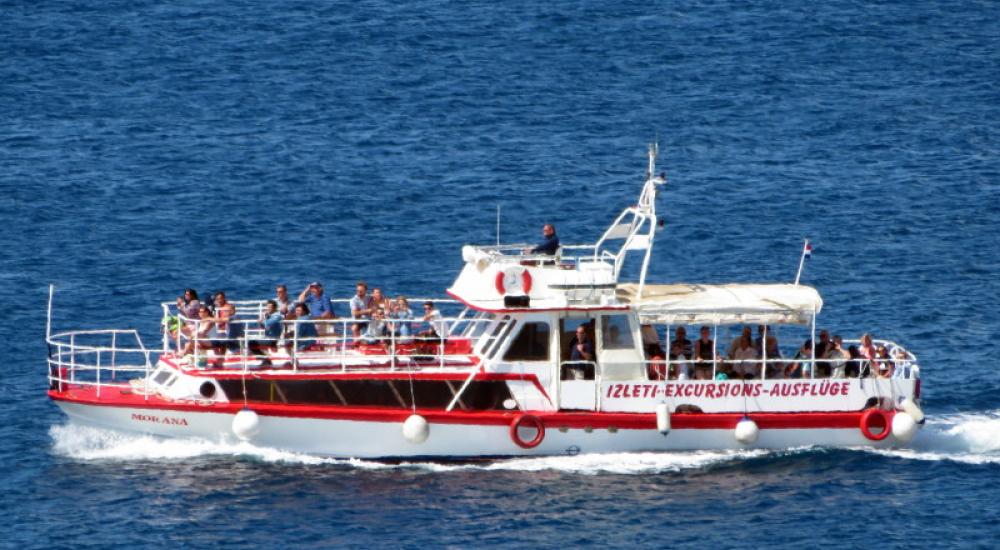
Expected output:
(511, 280)
(527, 421)
(868, 422)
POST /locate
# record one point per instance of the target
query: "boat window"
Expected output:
(162, 377)
(502, 338)
(531, 344)
(615, 332)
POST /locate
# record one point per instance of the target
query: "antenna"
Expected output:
(498, 224)
(48, 317)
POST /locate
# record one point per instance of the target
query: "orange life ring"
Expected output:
(508, 278)
(867, 424)
(533, 422)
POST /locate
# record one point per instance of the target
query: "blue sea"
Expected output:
(146, 147)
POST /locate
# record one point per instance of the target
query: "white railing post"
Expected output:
(98, 368)
(114, 349)
(72, 357)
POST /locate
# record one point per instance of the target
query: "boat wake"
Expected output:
(972, 438)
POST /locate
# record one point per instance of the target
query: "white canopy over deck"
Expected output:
(722, 304)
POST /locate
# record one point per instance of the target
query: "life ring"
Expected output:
(657, 368)
(531, 421)
(511, 280)
(867, 424)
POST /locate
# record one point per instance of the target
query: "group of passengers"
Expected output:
(749, 357)
(378, 319)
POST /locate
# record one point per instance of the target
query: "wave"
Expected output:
(972, 438)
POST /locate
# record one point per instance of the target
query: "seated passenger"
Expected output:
(680, 361)
(837, 358)
(434, 326)
(883, 362)
(229, 332)
(303, 331)
(376, 330)
(271, 322)
(763, 331)
(400, 316)
(361, 308)
(581, 352)
(704, 355)
(202, 333)
(801, 365)
(744, 358)
(285, 304)
(775, 366)
(680, 339)
(736, 343)
(550, 242)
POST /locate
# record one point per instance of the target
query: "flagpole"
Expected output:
(802, 261)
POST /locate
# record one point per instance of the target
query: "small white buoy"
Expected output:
(910, 407)
(904, 427)
(746, 431)
(246, 424)
(416, 429)
(663, 418)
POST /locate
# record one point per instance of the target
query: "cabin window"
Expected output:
(531, 344)
(615, 332)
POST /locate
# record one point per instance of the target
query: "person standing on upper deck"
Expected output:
(550, 242)
(319, 304)
(361, 307)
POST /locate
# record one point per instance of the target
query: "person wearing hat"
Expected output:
(319, 304)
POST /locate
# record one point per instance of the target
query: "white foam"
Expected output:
(971, 438)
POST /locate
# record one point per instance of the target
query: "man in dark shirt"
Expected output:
(550, 242)
(582, 350)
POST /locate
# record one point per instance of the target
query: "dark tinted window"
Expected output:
(531, 344)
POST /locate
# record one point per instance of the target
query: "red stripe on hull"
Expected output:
(552, 420)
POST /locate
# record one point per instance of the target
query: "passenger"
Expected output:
(680, 339)
(744, 358)
(762, 332)
(651, 342)
(883, 361)
(361, 307)
(435, 326)
(202, 333)
(401, 314)
(376, 330)
(285, 304)
(704, 355)
(581, 355)
(188, 305)
(229, 332)
(824, 345)
(868, 355)
(319, 305)
(380, 301)
(680, 360)
(837, 358)
(855, 363)
(304, 330)
(902, 366)
(550, 242)
(801, 364)
(736, 343)
(775, 367)
(271, 322)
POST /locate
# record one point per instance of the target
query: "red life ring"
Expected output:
(532, 422)
(508, 278)
(657, 368)
(867, 424)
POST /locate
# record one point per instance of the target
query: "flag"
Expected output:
(807, 252)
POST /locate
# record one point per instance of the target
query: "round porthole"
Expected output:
(207, 390)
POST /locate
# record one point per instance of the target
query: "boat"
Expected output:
(497, 375)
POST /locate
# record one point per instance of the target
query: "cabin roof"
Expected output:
(722, 304)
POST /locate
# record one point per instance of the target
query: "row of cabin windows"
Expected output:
(428, 394)
(532, 342)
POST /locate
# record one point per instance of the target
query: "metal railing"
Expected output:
(336, 343)
(95, 358)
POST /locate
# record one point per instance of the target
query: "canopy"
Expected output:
(723, 304)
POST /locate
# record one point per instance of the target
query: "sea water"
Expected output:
(147, 147)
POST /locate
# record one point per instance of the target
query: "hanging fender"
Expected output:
(527, 421)
(868, 422)
(512, 280)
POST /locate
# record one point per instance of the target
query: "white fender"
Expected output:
(904, 427)
(416, 429)
(910, 407)
(663, 418)
(746, 431)
(246, 424)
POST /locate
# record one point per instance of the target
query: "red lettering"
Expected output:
(843, 387)
(710, 390)
(757, 389)
(812, 389)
